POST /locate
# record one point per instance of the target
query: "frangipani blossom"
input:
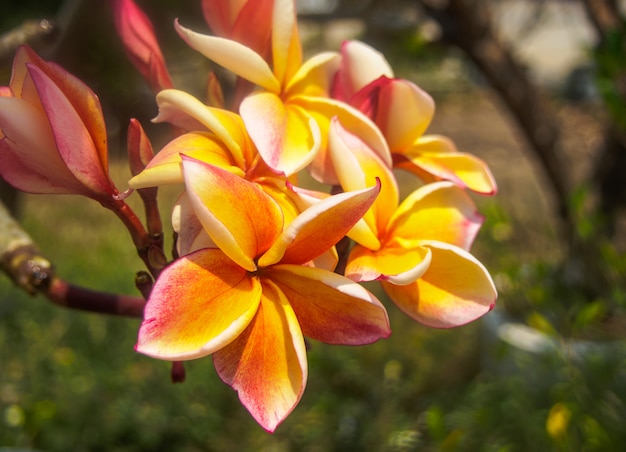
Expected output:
(403, 112)
(250, 301)
(140, 43)
(52, 132)
(288, 116)
(399, 243)
(215, 136)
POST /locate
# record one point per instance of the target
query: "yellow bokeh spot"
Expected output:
(558, 420)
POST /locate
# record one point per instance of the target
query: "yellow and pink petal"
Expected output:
(188, 113)
(433, 157)
(320, 227)
(361, 64)
(357, 167)
(439, 211)
(286, 47)
(392, 262)
(166, 167)
(331, 308)
(236, 57)
(455, 290)
(404, 112)
(266, 364)
(240, 218)
(286, 135)
(198, 305)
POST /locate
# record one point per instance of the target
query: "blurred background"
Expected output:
(535, 88)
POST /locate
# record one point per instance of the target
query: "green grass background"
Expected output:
(71, 381)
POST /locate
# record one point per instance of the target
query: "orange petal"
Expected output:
(240, 218)
(185, 111)
(330, 307)
(439, 211)
(166, 167)
(392, 263)
(437, 156)
(286, 136)
(319, 227)
(455, 290)
(267, 364)
(199, 304)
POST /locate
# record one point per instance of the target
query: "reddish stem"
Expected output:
(65, 294)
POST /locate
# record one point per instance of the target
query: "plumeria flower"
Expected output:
(214, 136)
(287, 117)
(140, 43)
(250, 300)
(52, 132)
(418, 249)
(403, 112)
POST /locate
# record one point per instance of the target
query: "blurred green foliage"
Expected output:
(71, 380)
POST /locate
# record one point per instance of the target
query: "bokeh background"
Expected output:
(545, 371)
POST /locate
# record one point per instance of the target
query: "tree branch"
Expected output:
(22, 261)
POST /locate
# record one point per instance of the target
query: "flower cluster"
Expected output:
(257, 269)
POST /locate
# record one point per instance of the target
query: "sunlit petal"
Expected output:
(323, 110)
(438, 158)
(185, 111)
(392, 263)
(330, 307)
(166, 166)
(267, 364)
(404, 113)
(315, 75)
(439, 211)
(357, 166)
(360, 232)
(286, 48)
(456, 289)
(360, 65)
(240, 218)
(320, 227)
(233, 56)
(286, 136)
(199, 304)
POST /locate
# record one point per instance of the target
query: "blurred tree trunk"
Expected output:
(610, 167)
(467, 24)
